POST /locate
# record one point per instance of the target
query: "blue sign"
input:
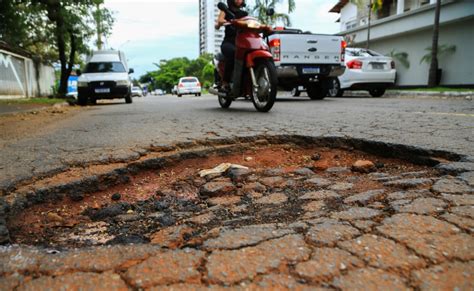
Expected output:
(72, 84)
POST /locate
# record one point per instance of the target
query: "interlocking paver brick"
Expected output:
(320, 195)
(356, 213)
(230, 266)
(180, 266)
(326, 263)
(429, 237)
(462, 222)
(77, 281)
(275, 198)
(382, 253)
(245, 236)
(451, 186)
(370, 279)
(447, 276)
(423, 206)
(330, 233)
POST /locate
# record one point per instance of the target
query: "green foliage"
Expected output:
(169, 72)
(443, 50)
(401, 57)
(259, 10)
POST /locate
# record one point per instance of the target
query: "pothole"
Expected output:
(163, 200)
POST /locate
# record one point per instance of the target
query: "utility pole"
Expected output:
(368, 24)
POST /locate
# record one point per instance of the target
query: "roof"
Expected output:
(14, 49)
(337, 8)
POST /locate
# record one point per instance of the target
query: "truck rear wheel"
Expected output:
(81, 100)
(377, 92)
(316, 91)
(128, 99)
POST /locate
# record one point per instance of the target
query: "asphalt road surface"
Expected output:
(115, 130)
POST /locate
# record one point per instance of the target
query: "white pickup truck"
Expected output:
(307, 60)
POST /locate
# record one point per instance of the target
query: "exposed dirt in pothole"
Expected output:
(176, 196)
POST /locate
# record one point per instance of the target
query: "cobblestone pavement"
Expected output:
(124, 131)
(275, 229)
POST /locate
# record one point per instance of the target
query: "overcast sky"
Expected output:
(151, 30)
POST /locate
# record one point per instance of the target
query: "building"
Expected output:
(407, 26)
(21, 77)
(210, 39)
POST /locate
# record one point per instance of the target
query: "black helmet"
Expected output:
(231, 4)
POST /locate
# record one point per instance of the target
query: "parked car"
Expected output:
(159, 92)
(137, 92)
(188, 85)
(306, 59)
(365, 70)
(106, 76)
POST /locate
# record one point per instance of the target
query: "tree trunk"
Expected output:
(368, 25)
(434, 48)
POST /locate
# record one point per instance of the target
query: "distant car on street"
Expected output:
(188, 85)
(158, 92)
(365, 70)
(137, 92)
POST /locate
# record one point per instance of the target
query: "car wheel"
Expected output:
(179, 95)
(335, 88)
(199, 94)
(377, 92)
(316, 91)
(295, 92)
(128, 99)
(81, 100)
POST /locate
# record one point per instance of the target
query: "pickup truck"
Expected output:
(307, 60)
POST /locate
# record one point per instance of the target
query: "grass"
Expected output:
(39, 101)
(440, 89)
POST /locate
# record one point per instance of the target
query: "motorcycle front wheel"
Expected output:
(264, 96)
(224, 102)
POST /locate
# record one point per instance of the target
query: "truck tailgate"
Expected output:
(310, 49)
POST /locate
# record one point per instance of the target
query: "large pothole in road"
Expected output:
(285, 185)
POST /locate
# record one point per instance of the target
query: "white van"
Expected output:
(106, 76)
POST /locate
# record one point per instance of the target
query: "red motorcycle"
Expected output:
(254, 73)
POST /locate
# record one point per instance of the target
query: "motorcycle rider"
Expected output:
(228, 44)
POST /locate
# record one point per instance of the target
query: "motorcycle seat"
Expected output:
(220, 57)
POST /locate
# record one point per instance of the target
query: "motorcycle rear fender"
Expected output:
(253, 56)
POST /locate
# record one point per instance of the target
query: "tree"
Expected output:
(442, 50)
(433, 73)
(52, 30)
(260, 11)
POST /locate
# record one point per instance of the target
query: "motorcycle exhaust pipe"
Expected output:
(213, 91)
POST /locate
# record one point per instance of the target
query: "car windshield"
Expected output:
(362, 53)
(105, 67)
(189, 80)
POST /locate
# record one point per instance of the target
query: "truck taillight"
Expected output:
(354, 64)
(343, 50)
(275, 46)
(199, 84)
(181, 85)
(392, 64)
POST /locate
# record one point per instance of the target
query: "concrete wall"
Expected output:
(458, 68)
(19, 77)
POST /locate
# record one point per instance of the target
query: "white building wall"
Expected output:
(458, 68)
(348, 16)
(411, 32)
(210, 39)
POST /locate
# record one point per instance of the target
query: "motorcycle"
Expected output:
(254, 73)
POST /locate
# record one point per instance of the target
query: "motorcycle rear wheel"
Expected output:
(264, 97)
